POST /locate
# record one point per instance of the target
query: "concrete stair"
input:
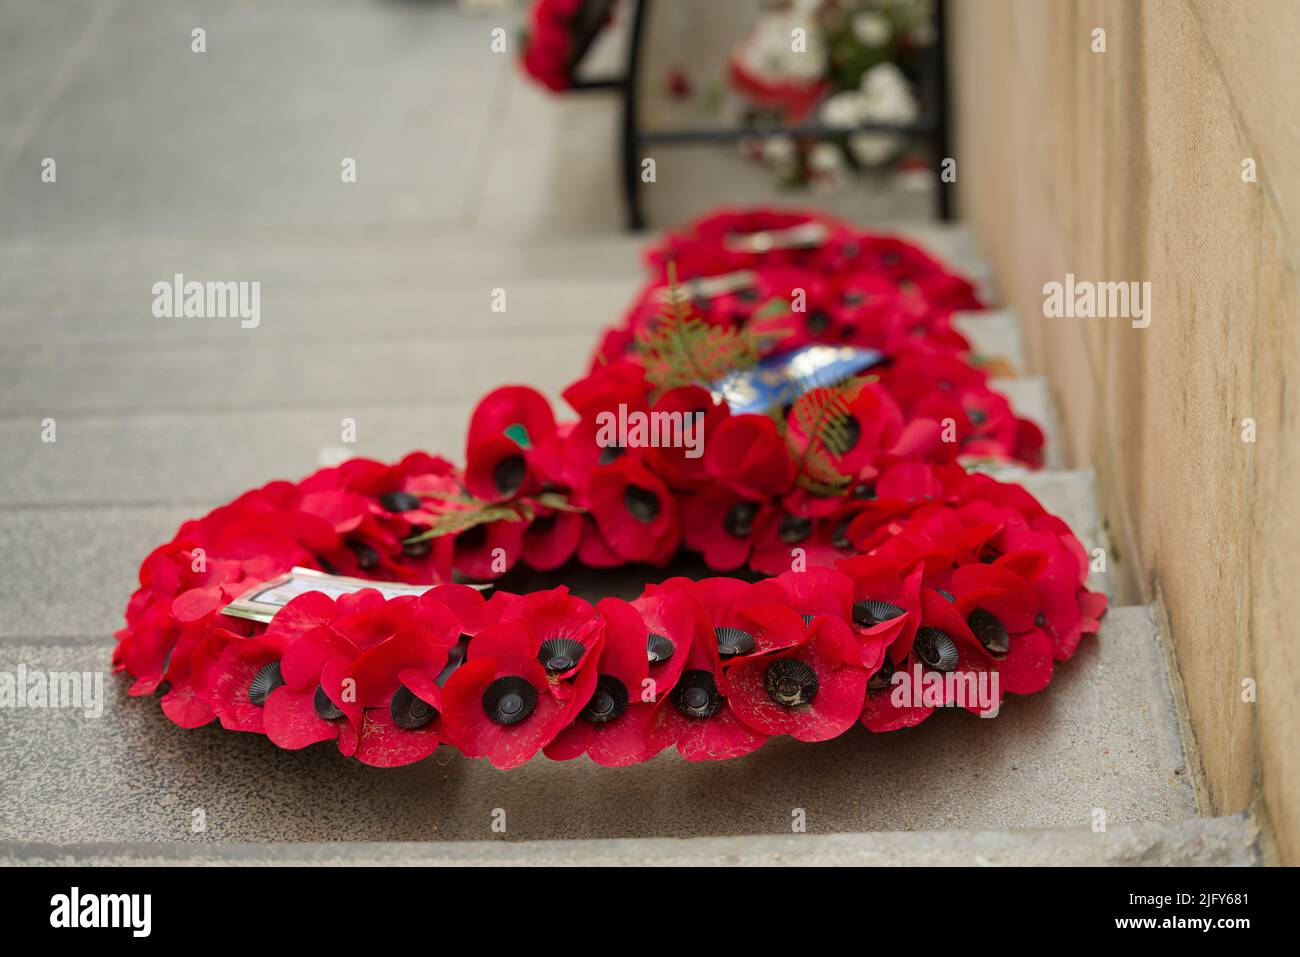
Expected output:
(160, 420)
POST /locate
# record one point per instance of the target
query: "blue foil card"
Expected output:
(780, 379)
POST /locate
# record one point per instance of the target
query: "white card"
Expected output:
(261, 603)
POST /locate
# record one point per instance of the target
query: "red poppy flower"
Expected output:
(246, 672)
(782, 536)
(903, 695)
(896, 259)
(674, 621)
(489, 550)
(1058, 586)
(634, 511)
(947, 292)
(719, 524)
(552, 538)
(604, 389)
(398, 700)
(886, 606)
(322, 637)
(748, 619)
(518, 412)
(507, 428)
(565, 630)
(813, 691)
(593, 550)
(945, 645)
(500, 704)
(307, 707)
(496, 469)
(869, 423)
(702, 248)
(747, 454)
(693, 418)
(192, 667)
(1000, 609)
(611, 727)
(868, 307)
(809, 314)
(696, 716)
(921, 373)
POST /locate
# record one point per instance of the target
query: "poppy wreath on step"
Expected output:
(550, 39)
(900, 581)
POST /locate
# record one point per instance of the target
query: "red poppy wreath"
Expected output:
(798, 407)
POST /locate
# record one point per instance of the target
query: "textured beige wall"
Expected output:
(1126, 165)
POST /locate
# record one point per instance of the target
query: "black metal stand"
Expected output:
(932, 126)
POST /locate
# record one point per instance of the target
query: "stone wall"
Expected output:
(1127, 165)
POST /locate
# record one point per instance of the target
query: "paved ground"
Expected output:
(375, 307)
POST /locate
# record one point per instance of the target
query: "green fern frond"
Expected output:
(682, 349)
(462, 520)
(822, 414)
(474, 512)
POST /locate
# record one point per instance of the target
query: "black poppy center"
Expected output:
(992, 634)
(868, 613)
(610, 453)
(794, 529)
(509, 700)
(267, 679)
(325, 707)
(733, 641)
(417, 549)
(471, 540)
(847, 434)
(410, 711)
(659, 647)
(880, 680)
(935, 648)
(818, 322)
(739, 522)
(508, 474)
(642, 504)
(455, 658)
(790, 682)
(559, 655)
(367, 557)
(399, 501)
(608, 701)
(696, 695)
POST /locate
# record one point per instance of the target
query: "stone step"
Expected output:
(1031, 398)
(453, 311)
(993, 334)
(1102, 739)
(1198, 842)
(78, 562)
(240, 373)
(331, 258)
(400, 366)
(315, 264)
(112, 317)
